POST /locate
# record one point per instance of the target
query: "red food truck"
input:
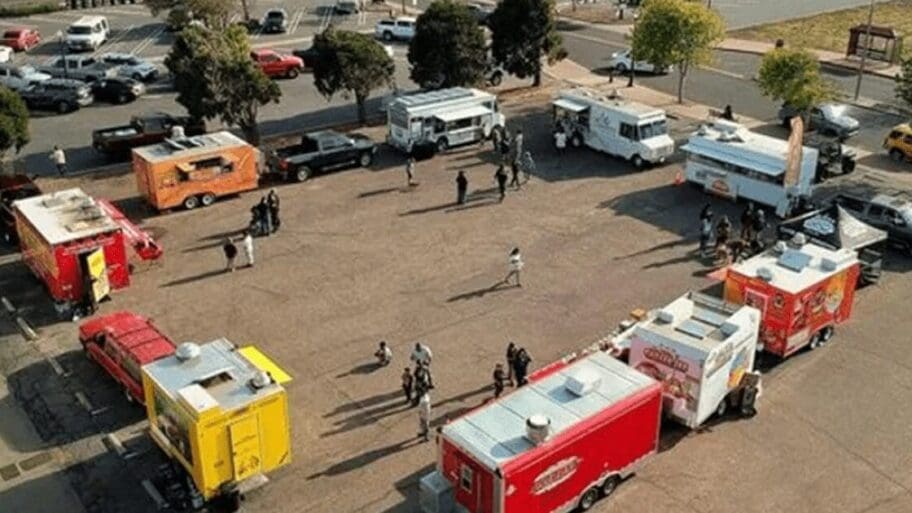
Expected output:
(564, 440)
(802, 291)
(77, 246)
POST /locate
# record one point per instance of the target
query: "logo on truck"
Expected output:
(555, 475)
(666, 358)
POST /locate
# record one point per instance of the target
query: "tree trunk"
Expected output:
(536, 77)
(246, 10)
(250, 127)
(682, 73)
(362, 108)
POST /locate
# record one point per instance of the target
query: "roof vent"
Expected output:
(779, 247)
(177, 132)
(187, 351)
(799, 239)
(665, 316)
(765, 274)
(582, 382)
(261, 379)
(828, 265)
(538, 428)
(728, 328)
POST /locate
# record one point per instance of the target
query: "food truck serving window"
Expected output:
(466, 478)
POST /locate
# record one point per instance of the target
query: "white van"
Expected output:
(626, 129)
(87, 33)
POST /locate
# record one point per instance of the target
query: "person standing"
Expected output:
(517, 147)
(230, 251)
(462, 187)
(759, 226)
(516, 265)
(248, 247)
(424, 417)
(59, 159)
(706, 229)
(504, 148)
(560, 140)
(747, 222)
(723, 232)
(527, 165)
(500, 176)
(422, 356)
(265, 215)
(522, 366)
(410, 172)
(422, 382)
(511, 359)
(707, 212)
(499, 379)
(272, 201)
(383, 354)
(407, 383)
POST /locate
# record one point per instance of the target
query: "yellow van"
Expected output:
(899, 142)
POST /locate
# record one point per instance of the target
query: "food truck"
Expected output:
(221, 414)
(802, 291)
(610, 124)
(194, 171)
(702, 350)
(563, 440)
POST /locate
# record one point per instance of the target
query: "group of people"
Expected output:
(229, 248)
(416, 385)
(719, 239)
(265, 215)
(518, 361)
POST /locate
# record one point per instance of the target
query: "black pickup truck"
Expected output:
(319, 152)
(143, 130)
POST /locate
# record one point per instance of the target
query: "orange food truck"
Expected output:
(802, 291)
(194, 171)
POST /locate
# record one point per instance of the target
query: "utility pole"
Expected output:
(633, 63)
(864, 55)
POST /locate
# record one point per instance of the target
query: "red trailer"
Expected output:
(564, 440)
(74, 245)
(802, 291)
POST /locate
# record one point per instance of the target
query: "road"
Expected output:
(729, 81)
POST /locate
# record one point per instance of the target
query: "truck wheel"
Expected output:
(442, 144)
(292, 73)
(576, 140)
(496, 79)
(638, 162)
(588, 499)
(191, 202)
(207, 199)
(302, 174)
(387, 36)
(621, 68)
(722, 408)
(826, 334)
(897, 155)
(122, 98)
(366, 159)
(137, 77)
(63, 107)
(610, 485)
(815, 341)
(128, 395)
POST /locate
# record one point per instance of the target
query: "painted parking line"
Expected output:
(113, 44)
(295, 21)
(148, 40)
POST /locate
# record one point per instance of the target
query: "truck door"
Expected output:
(96, 271)
(475, 488)
(244, 442)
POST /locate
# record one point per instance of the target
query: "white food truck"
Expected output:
(445, 118)
(610, 124)
(729, 160)
(702, 350)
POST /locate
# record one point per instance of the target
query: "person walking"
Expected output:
(723, 232)
(407, 383)
(424, 417)
(410, 172)
(383, 354)
(560, 140)
(706, 212)
(422, 356)
(462, 187)
(504, 148)
(248, 247)
(272, 202)
(500, 176)
(706, 229)
(265, 215)
(511, 360)
(527, 166)
(422, 382)
(516, 265)
(59, 159)
(230, 251)
(499, 379)
(759, 227)
(522, 366)
(747, 222)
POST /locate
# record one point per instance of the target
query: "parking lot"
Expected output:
(361, 257)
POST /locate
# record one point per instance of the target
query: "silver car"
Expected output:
(18, 78)
(132, 66)
(828, 119)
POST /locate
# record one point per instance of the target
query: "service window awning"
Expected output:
(264, 363)
(570, 105)
(468, 112)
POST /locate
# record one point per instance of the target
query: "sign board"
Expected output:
(98, 274)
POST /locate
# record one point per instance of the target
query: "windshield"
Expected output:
(833, 111)
(275, 15)
(79, 30)
(653, 129)
(26, 70)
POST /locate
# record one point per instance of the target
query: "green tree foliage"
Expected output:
(351, 63)
(677, 33)
(792, 76)
(525, 33)
(214, 13)
(14, 122)
(904, 82)
(214, 76)
(448, 48)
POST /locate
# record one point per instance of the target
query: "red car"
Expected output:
(275, 64)
(21, 39)
(122, 343)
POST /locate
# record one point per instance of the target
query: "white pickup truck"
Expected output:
(402, 28)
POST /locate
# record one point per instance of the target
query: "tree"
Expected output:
(792, 76)
(904, 82)
(14, 121)
(215, 77)
(524, 33)
(214, 13)
(351, 63)
(677, 33)
(448, 48)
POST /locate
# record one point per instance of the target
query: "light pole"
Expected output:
(864, 55)
(633, 63)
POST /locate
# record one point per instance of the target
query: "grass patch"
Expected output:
(830, 31)
(15, 11)
(605, 13)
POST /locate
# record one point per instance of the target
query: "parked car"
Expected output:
(275, 21)
(319, 152)
(57, 94)
(891, 213)
(18, 78)
(6, 53)
(21, 39)
(276, 64)
(622, 62)
(86, 68)
(122, 342)
(346, 7)
(401, 28)
(142, 130)
(87, 33)
(117, 89)
(12, 188)
(481, 12)
(129, 65)
(898, 142)
(828, 119)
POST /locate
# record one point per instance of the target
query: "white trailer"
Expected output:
(702, 350)
(445, 118)
(729, 160)
(610, 124)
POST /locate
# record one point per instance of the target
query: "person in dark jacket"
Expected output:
(500, 176)
(747, 222)
(521, 366)
(511, 361)
(462, 187)
(272, 203)
(231, 252)
(499, 379)
(407, 382)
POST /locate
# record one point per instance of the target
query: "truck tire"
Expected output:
(387, 36)
(826, 334)
(122, 98)
(722, 407)
(207, 199)
(366, 159)
(621, 68)
(588, 499)
(442, 145)
(815, 341)
(496, 79)
(638, 162)
(576, 140)
(137, 77)
(292, 73)
(191, 202)
(897, 155)
(63, 107)
(301, 174)
(610, 485)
